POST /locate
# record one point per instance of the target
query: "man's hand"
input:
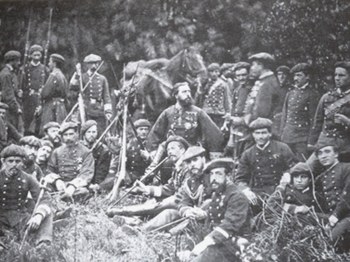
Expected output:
(34, 222)
(20, 93)
(60, 185)
(195, 213)
(37, 111)
(301, 209)
(142, 188)
(145, 155)
(251, 196)
(94, 187)
(333, 220)
(285, 179)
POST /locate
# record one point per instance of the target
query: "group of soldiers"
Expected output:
(250, 135)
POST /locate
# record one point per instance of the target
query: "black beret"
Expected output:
(51, 124)
(300, 168)
(4, 106)
(241, 65)
(283, 68)
(68, 125)
(12, 150)
(10, 55)
(343, 64)
(177, 139)
(214, 66)
(30, 140)
(142, 122)
(57, 58)
(263, 57)
(219, 162)
(35, 48)
(87, 125)
(301, 67)
(226, 66)
(192, 152)
(260, 123)
(325, 141)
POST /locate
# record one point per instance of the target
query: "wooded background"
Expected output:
(315, 31)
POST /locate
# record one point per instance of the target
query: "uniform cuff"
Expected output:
(107, 107)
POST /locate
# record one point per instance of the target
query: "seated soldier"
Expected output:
(228, 216)
(176, 147)
(52, 133)
(31, 145)
(261, 166)
(102, 156)
(14, 188)
(71, 165)
(333, 185)
(294, 197)
(43, 156)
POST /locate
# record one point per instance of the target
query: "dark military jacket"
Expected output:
(13, 195)
(264, 98)
(33, 169)
(239, 98)
(229, 214)
(9, 88)
(262, 169)
(191, 123)
(75, 165)
(324, 126)
(334, 188)
(102, 158)
(298, 113)
(34, 78)
(96, 96)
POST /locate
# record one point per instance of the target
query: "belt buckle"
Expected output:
(93, 100)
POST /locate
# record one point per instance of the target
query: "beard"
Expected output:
(187, 102)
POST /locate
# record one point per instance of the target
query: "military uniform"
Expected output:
(193, 124)
(229, 217)
(262, 169)
(53, 97)
(73, 165)
(34, 78)
(9, 94)
(324, 126)
(297, 116)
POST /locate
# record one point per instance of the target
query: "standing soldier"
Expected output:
(8, 133)
(54, 93)
(298, 111)
(97, 99)
(34, 77)
(9, 88)
(215, 99)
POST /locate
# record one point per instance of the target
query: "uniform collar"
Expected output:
(336, 163)
(264, 147)
(10, 67)
(34, 64)
(303, 87)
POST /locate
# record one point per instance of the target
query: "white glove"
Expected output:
(333, 220)
(200, 247)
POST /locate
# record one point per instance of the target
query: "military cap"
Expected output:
(51, 124)
(10, 55)
(142, 122)
(343, 64)
(226, 66)
(4, 106)
(219, 162)
(241, 65)
(300, 168)
(46, 143)
(12, 150)
(87, 125)
(178, 85)
(57, 58)
(301, 67)
(214, 66)
(68, 125)
(92, 59)
(283, 68)
(260, 123)
(35, 48)
(176, 139)
(192, 152)
(326, 141)
(30, 140)
(265, 58)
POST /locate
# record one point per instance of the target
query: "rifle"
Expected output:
(141, 180)
(80, 98)
(43, 184)
(82, 91)
(46, 51)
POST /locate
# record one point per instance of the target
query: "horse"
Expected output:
(153, 81)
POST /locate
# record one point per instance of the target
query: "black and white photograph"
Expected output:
(174, 130)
